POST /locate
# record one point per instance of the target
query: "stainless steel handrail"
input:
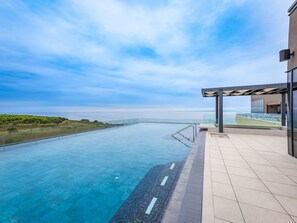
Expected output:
(194, 126)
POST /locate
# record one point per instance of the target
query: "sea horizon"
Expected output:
(201, 115)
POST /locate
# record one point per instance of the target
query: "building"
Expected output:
(266, 104)
(290, 56)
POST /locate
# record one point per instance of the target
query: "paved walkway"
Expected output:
(249, 178)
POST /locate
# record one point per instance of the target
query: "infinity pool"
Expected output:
(84, 177)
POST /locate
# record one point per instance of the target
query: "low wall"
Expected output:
(251, 130)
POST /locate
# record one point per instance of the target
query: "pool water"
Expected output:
(84, 177)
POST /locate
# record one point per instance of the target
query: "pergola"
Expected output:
(263, 89)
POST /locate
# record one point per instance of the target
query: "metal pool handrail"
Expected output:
(194, 126)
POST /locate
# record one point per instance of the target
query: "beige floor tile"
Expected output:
(258, 198)
(249, 153)
(247, 182)
(226, 142)
(220, 177)
(203, 220)
(288, 165)
(228, 149)
(230, 152)
(223, 190)
(221, 221)
(208, 211)
(289, 204)
(216, 154)
(262, 149)
(282, 189)
(273, 177)
(276, 157)
(289, 172)
(267, 155)
(265, 169)
(294, 218)
(218, 167)
(233, 157)
(234, 163)
(253, 214)
(293, 178)
(227, 210)
(241, 172)
(214, 147)
(260, 161)
(217, 161)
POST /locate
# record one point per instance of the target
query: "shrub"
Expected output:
(12, 129)
(29, 119)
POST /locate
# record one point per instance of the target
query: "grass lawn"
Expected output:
(249, 121)
(17, 131)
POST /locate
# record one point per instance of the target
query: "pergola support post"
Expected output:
(217, 108)
(283, 109)
(221, 123)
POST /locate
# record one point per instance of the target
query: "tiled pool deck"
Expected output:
(249, 178)
(246, 178)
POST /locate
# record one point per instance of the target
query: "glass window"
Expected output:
(289, 115)
(294, 112)
(258, 106)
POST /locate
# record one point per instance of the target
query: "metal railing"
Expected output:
(153, 120)
(275, 118)
(190, 139)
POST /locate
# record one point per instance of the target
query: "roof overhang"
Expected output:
(292, 8)
(264, 89)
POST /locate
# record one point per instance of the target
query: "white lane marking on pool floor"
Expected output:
(172, 166)
(151, 205)
(164, 180)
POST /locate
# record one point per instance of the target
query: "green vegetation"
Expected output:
(29, 119)
(249, 121)
(21, 128)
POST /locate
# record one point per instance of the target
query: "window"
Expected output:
(258, 106)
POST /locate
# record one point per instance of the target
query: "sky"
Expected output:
(136, 53)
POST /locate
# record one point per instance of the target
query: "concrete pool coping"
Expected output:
(185, 204)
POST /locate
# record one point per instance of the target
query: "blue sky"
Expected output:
(134, 53)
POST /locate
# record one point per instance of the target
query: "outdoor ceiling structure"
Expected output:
(263, 89)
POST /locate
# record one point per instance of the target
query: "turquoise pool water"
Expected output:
(84, 177)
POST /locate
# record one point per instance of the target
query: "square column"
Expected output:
(283, 109)
(221, 123)
(217, 109)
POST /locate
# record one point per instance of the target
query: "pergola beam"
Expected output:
(264, 89)
(247, 90)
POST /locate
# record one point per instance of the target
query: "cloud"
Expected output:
(137, 52)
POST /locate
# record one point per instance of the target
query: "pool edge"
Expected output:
(185, 204)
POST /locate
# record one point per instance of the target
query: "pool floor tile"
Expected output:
(84, 176)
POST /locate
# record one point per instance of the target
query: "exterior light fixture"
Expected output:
(285, 55)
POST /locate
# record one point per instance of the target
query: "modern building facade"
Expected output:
(292, 81)
(266, 104)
